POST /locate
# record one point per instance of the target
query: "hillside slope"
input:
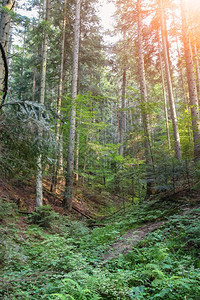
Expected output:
(66, 259)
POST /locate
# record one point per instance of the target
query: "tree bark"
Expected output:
(191, 83)
(118, 118)
(34, 84)
(143, 93)
(39, 190)
(169, 84)
(58, 152)
(70, 159)
(184, 93)
(4, 36)
(122, 114)
(196, 61)
(77, 153)
(165, 99)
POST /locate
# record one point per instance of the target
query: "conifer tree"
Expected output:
(39, 189)
(169, 84)
(193, 96)
(70, 158)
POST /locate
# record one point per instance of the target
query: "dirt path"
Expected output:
(126, 243)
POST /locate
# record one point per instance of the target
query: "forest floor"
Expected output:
(126, 242)
(86, 202)
(143, 251)
(133, 237)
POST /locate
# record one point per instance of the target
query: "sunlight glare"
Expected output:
(106, 11)
(194, 4)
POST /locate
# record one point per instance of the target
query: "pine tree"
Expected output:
(169, 84)
(193, 96)
(67, 202)
(39, 189)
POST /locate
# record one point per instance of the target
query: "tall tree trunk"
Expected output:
(165, 98)
(184, 90)
(4, 36)
(70, 159)
(77, 154)
(184, 93)
(118, 118)
(191, 83)
(39, 190)
(122, 114)
(143, 92)
(196, 61)
(59, 153)
(85, 159)
(22, 66)
(34, 84)
(169, 85)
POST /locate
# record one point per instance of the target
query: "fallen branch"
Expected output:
(24, 212)
(116, 212)
(77, 210)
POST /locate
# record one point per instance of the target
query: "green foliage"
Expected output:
(43, 216)
(20, 144)
(6, 209)
(66, 263)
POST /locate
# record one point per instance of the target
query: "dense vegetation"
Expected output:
(65, 261)
(132, 125)
(99, 150)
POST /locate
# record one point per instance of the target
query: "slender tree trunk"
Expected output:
(77, 148)
(184, 90)
(118, 119)
(77, 154)
(39, 191)
(169, 85)
(4, 36)
(34, 84)
(122, 114)
(143, 92)
(59, 153)
(70, 159)
(129, 115)
(184, 93)
(165, 99)
(196, 61)
(85, 159)
(143, 89)
(22, 67)
(191, 83)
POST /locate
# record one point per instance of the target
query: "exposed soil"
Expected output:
(85, 202)
(134, 236)
(126, 243)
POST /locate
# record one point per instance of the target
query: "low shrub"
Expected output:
(43, 216)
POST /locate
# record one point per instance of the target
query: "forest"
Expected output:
(99, 150)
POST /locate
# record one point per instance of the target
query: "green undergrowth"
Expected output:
(64, 259)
